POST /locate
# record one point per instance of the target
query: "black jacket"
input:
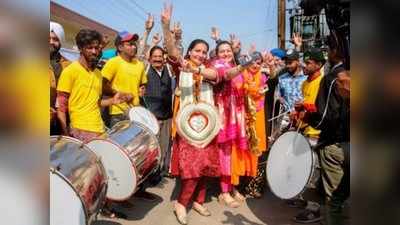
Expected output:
(158, 95)
(335, 125)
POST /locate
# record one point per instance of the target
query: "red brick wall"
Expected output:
(73, 22)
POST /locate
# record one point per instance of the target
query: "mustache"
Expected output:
(53, 48)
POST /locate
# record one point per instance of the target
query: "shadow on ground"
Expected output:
(237, 219)
(274, 211)
(140, 208)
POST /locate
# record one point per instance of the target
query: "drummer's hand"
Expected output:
(293, 115)
(298, 106)
(301, 115)
(118, 98)
(128, 97)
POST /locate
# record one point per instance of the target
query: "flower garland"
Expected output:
(251, 85)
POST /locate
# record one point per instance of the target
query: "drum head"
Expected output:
(122, 179)
(143, 116)
(66, 208)
(289, 165)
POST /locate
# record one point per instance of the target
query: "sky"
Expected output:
(253, 21)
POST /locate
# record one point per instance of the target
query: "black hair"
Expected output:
(335, 45)
(193, 44)
(86, 37)
(222, 43)
(117, 42)
(156, 48)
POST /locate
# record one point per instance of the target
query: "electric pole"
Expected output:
(281, 23)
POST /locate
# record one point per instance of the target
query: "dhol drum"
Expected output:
(143, 116)
(78, 182)
(130, 153)
(291, 165)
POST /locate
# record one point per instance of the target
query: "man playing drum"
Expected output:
(79, 90)
(332, 115)
(314, 61)
(124, 73)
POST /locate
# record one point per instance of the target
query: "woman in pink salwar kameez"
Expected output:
(231, 108)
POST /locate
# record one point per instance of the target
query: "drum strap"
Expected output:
(327, 102)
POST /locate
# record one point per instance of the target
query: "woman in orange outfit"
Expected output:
(252, 83)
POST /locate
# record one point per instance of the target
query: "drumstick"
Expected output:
(276, 117)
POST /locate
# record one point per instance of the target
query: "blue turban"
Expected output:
(278, 52)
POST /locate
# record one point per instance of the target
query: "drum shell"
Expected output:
(140, 145)
(82, 169)
(143, 116)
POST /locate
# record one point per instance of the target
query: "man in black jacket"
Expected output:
(158, 99)
(332, 117)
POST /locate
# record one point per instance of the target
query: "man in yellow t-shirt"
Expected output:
(125, 73)
(314, 60)
(79, 90)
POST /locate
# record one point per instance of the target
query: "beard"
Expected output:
(292, 71)
(54, 51)
(93, 61)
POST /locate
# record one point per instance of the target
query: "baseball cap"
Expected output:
(291, 54)
(125, 36)
(314, 54)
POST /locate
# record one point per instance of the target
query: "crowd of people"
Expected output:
(94, 92)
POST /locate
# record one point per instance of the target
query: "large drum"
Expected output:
(291, 165)
(130, 153)
(78, 182)
(143, 116)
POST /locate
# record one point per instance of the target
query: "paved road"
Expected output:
(267, 210)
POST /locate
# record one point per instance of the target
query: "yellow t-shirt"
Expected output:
(85, 89)
(125, 77)
(310, 91)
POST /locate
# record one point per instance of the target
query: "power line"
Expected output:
(129, 10)
(140, 7)
(134, 7)
(91, 13)
(255, 34)
(121, 13)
